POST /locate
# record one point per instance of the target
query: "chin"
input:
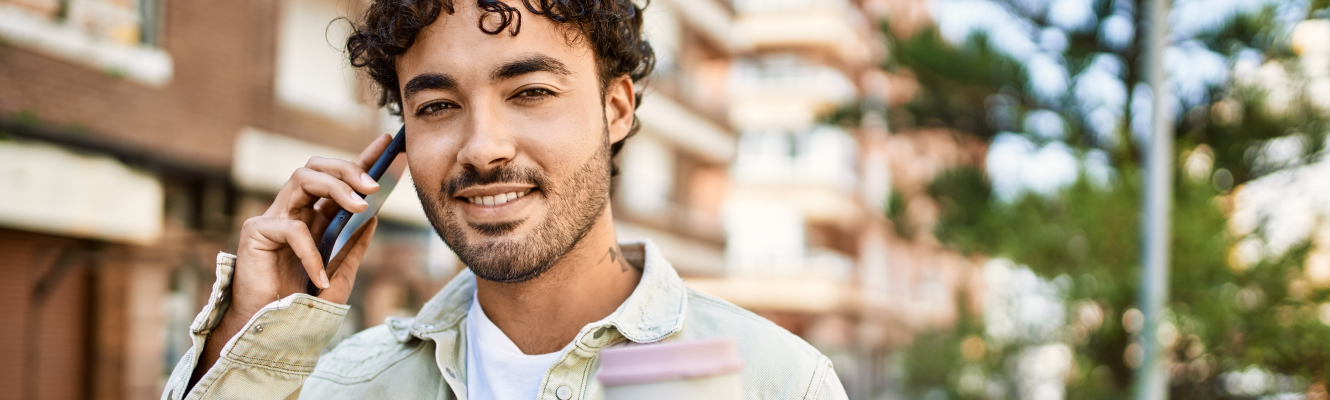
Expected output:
(496, 230)
(510, 259)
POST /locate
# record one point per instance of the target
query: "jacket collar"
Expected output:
(653, 312)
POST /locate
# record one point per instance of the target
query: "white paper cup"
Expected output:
(698, 369)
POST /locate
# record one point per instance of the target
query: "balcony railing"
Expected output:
(832, 26)
(823, 156)
(810, 263)
(784, 92)
(760, 6)
(790, 76)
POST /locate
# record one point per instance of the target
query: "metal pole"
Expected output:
(1152, 375)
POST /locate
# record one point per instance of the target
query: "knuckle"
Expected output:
(302, 174)
(346, 169)
(331, 165)
(352, 167)
(296, 225)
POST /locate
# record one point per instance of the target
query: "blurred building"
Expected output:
(806, 238)
(674, 171)
(136, 136)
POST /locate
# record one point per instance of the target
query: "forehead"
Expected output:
(455, 44)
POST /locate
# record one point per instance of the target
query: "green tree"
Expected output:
(1228, 318)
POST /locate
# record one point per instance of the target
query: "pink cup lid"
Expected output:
(629, 365)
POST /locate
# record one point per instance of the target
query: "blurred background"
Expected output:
(944, 196)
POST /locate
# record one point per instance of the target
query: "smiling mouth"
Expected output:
(496, 200)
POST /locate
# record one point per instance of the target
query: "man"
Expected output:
(513, 113)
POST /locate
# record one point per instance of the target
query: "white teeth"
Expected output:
(498, 199)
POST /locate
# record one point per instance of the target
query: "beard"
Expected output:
(499, 256)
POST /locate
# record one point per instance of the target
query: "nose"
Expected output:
(489, 140)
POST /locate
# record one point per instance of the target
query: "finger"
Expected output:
(347, 265)
(307, 186)
(365, 160)
(351, 257)
(295, 234)
(348, 172)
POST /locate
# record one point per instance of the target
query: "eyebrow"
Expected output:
(527, 65)
(428, 81)
(509, 70)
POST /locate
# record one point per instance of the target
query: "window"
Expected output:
(120, 37)
(127, 22)
(312, 71)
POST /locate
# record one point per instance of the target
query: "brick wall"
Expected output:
(44, 335)
(223, 58)
(98, 332)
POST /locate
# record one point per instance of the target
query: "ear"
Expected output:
(619, 106)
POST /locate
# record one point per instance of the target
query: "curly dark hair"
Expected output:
(613, 29)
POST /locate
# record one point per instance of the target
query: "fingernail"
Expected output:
(323, 275)
(368, 181)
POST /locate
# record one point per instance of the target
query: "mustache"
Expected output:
(506, 174)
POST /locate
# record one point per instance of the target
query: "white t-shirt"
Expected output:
(496, 368)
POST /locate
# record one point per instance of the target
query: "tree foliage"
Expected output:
(1227, 317)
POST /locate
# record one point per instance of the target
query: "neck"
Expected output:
(544, 314)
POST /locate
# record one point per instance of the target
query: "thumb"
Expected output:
(345, 266)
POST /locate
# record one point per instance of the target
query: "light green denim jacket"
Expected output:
(277, 354)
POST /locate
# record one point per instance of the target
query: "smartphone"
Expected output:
(387, 170)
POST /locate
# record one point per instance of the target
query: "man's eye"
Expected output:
(433, 108)
(534, 94)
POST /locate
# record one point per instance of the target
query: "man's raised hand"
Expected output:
(277, 252)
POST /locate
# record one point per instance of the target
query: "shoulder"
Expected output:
(712, 316)
(364, 356)
(777, 364)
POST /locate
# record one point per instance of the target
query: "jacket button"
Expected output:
(563, 393)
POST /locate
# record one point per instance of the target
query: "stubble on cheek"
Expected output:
(572, 208)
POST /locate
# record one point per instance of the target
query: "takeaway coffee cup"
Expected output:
(696, 369)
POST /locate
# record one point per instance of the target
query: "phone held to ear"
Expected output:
(387, 170)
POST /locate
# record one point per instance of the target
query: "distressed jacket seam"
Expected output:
(819, 375)
(269, 365)
(318, 306)
(247, 360)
